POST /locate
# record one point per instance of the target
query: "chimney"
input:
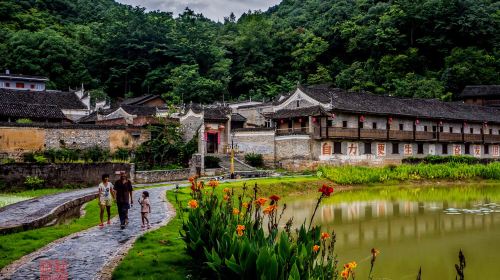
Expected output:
(7, 71)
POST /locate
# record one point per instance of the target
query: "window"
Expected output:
(19, 85)
(344, 124)
(467, 148)
(444, 149)
(361, 125)
(420, 148)
(486, 149)
(337, 148)
(368, 148)
(425, 128)
(7, 84)
(395, 148)
(298, 103)
(491, 131)
(434, 128)
(451, 129)
(471, 130)
(303, 124)
(32, 86)
(374, 125)
(329, 123)
(441, 129)
(327, 149)
(401, 126)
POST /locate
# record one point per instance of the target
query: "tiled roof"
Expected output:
(210, 112)
(62, 99)
(364, 102)
(140, 99)
(23, 77)
(237, 118)
(481, 91)
(31, 111)
(298, 112)
(133, 110)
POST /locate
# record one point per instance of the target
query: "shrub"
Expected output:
(40, 159)
(95, 154)
(34, 182)
(212, 162)
(24, 120)
(122, 154)
(254, 159)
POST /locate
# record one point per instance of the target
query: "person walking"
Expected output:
(145, 209)
(124, 199)
(105, 198)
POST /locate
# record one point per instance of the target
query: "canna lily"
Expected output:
(325, 235)
(326, 190)
(192, 178)
(270, 209)
(193, 204)
(226, 197)
(261, 201)
(345, 274)
(274, 197)
(316, 248)
(236, 211)
(352, 265)
(226, 190)
(240, 229)
(213, 183)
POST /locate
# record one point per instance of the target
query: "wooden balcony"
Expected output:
(378, 134)
(400, 135)
(473, 138)
(337, 132)
(450, 137)
(489, 138)
(292, 131)
(425, 136)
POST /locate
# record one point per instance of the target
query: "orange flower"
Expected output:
(192, 178)
(270, 209)
(193, 204)
(240, 229)
(315, 248)
(345, 274)
(245, 205)
(261, 201)
(213, 183)
(352, 265)
(274, 197)
(236, 211)
(325, 235)
(226, 197)
(375, 252)
(200, 185)
(226, 190)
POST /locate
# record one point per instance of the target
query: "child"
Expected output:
(105, 197)
(145, 209)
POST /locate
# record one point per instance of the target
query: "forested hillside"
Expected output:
(421, 48)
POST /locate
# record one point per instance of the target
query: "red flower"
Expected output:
(326, 190)
(274, 197)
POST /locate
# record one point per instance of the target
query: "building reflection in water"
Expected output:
(390, 221)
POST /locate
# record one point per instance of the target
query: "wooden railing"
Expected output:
(340, 132)
(489, 138)
(291, 131)
(400, 135)
(451, 137)
(473, 138)
(373, 134)
(425, 135)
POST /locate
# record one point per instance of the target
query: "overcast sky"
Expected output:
(214, 9)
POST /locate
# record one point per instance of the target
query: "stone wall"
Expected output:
(293, 147)
(157, 176)
(259, 141)
(58, 175)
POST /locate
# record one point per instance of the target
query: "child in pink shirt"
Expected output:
(145, 209)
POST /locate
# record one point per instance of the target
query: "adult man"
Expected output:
(124, 200)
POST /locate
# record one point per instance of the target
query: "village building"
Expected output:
(149, 100)
(485, 95)
(22, 82)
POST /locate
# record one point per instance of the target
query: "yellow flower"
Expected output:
(245, 205)
(352, 265)
(325, 235)
(193, 204)
(236, 211)
(316, 248)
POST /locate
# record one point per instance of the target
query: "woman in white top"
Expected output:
(105, 197)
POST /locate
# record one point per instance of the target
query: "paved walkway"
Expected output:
(36, 212)
(89, 253)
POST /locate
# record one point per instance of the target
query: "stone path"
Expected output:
(37, 212)
(89, 254)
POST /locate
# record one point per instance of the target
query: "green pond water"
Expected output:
(412, 227)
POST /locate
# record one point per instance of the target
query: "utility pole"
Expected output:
(231, 168)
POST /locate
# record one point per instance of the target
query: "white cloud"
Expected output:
(213, 9)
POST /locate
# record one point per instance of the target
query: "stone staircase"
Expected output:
(225, 162)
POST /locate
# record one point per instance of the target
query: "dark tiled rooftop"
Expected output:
(140, 99)
(237, 117)
(31, 111)
(481, 91)
(62, 99)
(304, 111)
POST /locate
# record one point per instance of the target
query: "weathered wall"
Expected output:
(259, 141)
(14, 141)
(293, 147)
(190, 125)
(156, 176)
(58, 175)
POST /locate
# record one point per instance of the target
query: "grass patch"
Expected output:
(159, 254)
(14, 246)
(13, 197)
(351, 175)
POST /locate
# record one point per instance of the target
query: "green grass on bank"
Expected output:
(350, 175)
(13, 197)
(159, 254)
(15, 245)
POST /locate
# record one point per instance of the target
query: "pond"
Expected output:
(413, 227)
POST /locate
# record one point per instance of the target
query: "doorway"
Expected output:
(212, 143)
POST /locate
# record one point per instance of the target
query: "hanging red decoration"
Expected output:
(282, 121)
(314, 119)
(362, 118)
(300, 120)
(333, 116)
(440, 123)
(417, 121)
(221, 127)
(389, 120)
(485, 124)
(465, 124)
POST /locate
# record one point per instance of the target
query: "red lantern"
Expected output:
(465, 124)
(282, 121)
(362, 118)
(221, 127)
(417, 121)
(300, 120)
(440, 123)
(333, 116)
(389, 120)
(485, 124)
(314, 119)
